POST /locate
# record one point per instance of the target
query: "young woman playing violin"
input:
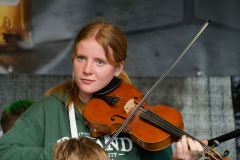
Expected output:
(98, 56)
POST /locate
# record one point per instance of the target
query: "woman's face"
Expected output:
(92, 71)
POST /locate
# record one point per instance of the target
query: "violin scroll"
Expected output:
(214, 155)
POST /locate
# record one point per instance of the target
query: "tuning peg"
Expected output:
(225, 153)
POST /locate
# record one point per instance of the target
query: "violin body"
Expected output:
(104, 117)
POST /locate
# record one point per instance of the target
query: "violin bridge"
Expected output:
(130, 105)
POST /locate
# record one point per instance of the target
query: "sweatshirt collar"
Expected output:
(62, 96)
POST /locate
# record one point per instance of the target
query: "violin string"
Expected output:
(154, 118)
(167, 126)
(180, 132)
(171, 128)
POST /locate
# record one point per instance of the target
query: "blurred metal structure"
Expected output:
(15, 23)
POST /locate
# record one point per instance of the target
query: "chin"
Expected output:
(88, 90)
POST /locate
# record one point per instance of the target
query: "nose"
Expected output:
(87, 68)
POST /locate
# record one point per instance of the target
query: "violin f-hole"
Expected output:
(113, 118)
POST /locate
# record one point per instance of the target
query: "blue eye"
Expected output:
(100, 62)
(81, 58)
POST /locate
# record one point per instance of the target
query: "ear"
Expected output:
(118, 69)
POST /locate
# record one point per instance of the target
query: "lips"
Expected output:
(87, 81)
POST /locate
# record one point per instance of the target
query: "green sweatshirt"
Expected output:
(46, 122)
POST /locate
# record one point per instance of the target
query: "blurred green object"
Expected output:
(24, 103)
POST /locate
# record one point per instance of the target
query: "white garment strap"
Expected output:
(72, 119)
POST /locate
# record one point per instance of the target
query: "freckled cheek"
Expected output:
(105, 77)
(74, 65)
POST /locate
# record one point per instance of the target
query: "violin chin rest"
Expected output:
(114, 83)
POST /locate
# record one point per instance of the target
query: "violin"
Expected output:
(105, 113)
(152, 128)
